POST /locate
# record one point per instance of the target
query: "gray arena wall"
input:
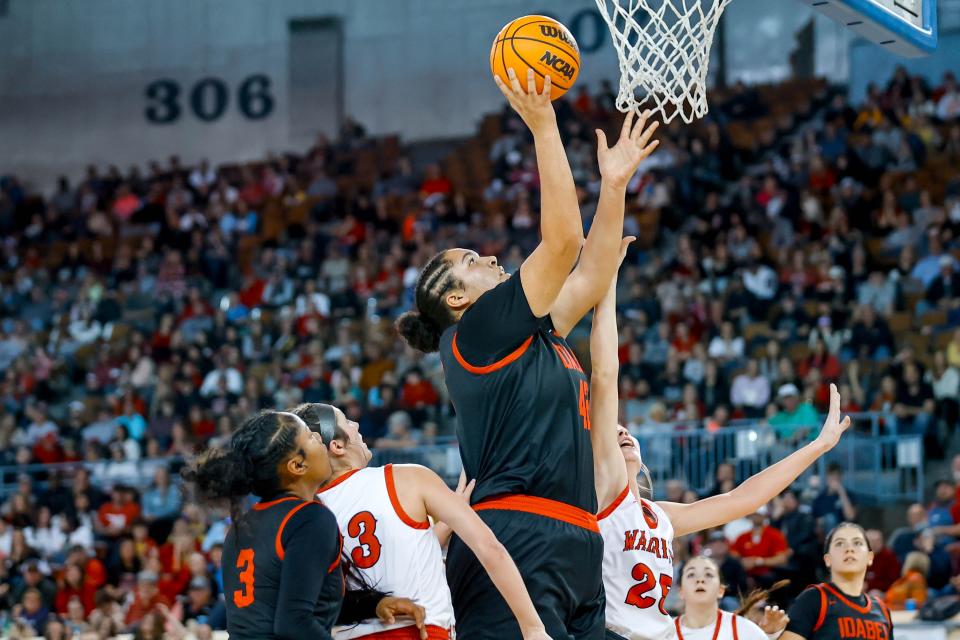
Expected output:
(127, 81)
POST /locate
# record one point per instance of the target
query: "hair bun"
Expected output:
(419, 331)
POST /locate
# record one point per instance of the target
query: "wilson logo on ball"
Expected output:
(554, 32)
(558, 64)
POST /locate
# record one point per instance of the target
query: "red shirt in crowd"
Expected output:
(113, 516)
(884, 571)
(769, 544)
(67, 593)
(420, 394)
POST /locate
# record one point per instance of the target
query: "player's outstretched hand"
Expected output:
(833, 427)
(390, 608)
(534, 108)
(619, 163)
(774, 620)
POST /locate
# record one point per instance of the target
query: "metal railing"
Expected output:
(879, 464)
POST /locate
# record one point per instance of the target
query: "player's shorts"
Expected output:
(559, 552)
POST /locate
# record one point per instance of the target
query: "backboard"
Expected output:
(905, 27)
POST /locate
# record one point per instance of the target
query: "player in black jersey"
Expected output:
(839, 609)
(521, 396)
(282, 574)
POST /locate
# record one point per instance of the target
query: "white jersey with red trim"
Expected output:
(637, 567)
(727, 627)
(393, 552)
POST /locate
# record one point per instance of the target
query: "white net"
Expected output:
(664, 52)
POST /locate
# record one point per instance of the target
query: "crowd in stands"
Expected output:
(144, 314)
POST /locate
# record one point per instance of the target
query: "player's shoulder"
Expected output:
(313, 516)
(410, 472)
(747, 629)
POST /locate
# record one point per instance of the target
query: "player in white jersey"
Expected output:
(384, 515)
(638, 534)
(701, 588)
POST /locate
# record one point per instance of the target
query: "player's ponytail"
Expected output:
(758, 596)
(249, 464)
(423, 327)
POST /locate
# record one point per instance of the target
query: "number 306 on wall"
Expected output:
(208, 99)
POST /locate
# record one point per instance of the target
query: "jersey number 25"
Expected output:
(637, 595)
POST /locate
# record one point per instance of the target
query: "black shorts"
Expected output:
(561, 567)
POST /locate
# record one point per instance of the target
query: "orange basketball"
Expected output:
(539, 43)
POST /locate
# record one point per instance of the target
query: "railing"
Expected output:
(878, 466)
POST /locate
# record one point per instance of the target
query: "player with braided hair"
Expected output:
(521, 396)
(281, 560)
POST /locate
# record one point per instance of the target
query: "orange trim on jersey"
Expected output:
(847, 602)
(395, 501)
(884, 610)
(616, 503)
(410, 633)
(823, 607)
(336, 562)
(490, 368)
(337, 480)
(260, 506)
(716, 629)
(278, 545)
(542, 507)
(733, 623)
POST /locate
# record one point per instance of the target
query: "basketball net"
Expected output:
(664, 52)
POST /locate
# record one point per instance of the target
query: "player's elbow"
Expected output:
(490, 551)
(564, 245)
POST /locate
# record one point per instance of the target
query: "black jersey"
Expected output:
(281, 571)
(823, 612)
(522, 400)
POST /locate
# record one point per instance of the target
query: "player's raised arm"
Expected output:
(598, 263)
(609, 468)
(761, 488)
(545, 270)
(446, 506)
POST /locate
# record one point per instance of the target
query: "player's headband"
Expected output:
(323, 420)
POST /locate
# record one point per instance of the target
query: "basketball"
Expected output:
(539, 43)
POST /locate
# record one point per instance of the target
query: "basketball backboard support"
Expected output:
(905, 27)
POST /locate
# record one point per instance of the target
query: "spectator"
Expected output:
(945, 287)
(885, 569)
(795, 419)
(750, 390)
(162, 501)
(726, 347)
(399, 432)
(834, 505)
(734, 575)
(799, 529)
(115, 518)
(914, 407)
(35, 581)
(762, 550)
(146, 599)
(938, 514)
(200, 606)
(34, 613)
(911, 587)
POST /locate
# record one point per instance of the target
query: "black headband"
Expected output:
(326, 424)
